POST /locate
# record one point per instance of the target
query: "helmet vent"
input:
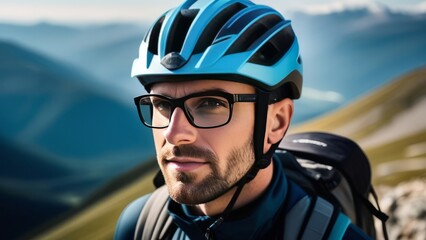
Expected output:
(246, 40)
(235, 27)
(154, 35)
(179, 29)
(275, 48)
(214, 26)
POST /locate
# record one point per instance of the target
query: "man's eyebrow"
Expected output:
(215, 89)
(200, 91)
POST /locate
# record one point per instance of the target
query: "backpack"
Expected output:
(325, 165)
(336, 169)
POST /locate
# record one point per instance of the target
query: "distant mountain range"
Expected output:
(106, 52)
(351, 53)
(68, 125)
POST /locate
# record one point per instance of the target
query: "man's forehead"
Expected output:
(188, 87)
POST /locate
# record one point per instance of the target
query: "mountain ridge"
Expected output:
(388, 124)
(370, 7)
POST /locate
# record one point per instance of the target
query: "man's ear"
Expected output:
(279, 117)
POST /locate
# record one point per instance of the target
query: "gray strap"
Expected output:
(154, 219)
(319, 220)
(294, 218)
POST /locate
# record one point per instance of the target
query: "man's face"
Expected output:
(200, 165)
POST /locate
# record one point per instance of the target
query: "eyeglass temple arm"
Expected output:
(244, 97)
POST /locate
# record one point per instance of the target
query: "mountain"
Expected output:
(48, 101)
(388, 124)
(350, 53)
(400, 97)
(112, 61)
(27, 191)
(104, 51)
(62, 137)
(64, 41)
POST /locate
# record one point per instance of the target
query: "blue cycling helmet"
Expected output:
(233, 40)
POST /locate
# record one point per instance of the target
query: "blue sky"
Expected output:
(81, 11)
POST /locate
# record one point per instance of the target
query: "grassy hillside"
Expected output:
(388, 124)
(364, 120)
(97, 221)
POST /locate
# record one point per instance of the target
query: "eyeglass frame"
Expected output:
(179, 102)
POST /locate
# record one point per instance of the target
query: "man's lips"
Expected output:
(185, 164)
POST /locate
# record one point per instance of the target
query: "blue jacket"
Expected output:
(277, 214)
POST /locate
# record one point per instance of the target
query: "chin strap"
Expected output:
(261, 160)
(211, 229)
(250, 175)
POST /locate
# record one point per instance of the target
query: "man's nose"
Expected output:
(180, 130)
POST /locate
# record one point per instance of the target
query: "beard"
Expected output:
(186, 188)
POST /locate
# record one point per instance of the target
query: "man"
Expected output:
(221, 76)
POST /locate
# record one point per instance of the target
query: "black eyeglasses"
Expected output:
(203, 110)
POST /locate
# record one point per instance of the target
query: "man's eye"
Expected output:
(211, 103)
(161, 105)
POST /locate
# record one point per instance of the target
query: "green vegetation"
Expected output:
(98, 220)
(400, 160)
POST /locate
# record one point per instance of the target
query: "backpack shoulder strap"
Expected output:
(154, 221)
(311, 218)
(319, 220)
(295, 218)
(126, 224)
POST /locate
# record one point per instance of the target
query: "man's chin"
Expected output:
(184, 194)
(195, 194)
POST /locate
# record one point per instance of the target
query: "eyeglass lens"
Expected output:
(201, 111)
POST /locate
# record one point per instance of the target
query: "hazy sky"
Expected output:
(29, 11)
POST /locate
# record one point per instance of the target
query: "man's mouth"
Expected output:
(185, 164)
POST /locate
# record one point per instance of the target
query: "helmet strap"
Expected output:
(261, 111)
(261, 160)
(210, 230)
